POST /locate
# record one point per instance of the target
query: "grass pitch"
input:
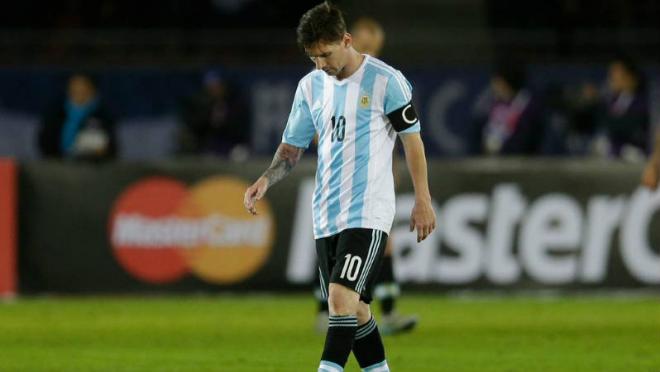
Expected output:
(264, 333)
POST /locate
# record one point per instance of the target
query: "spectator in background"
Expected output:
(510, 121)
(80, 127)
(620, 117)
(213, 121)
(582, 109)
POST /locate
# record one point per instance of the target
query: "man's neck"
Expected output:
(354, 61)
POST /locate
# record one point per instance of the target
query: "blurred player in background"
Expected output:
(357, 105)
(368, 38)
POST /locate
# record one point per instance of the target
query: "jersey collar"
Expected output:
(355, 73)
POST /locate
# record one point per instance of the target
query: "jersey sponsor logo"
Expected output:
(161, 231)
(506, 237)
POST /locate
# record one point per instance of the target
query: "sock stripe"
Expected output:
(378, 367)
(347, 317)
(365, 325)
(363, 335)
(342, 321)
(366, 329)
(326, 366)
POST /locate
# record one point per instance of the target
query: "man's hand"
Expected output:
(422, 219)
(255, 193)
(286, 157)
(423, 216)
(651, 173)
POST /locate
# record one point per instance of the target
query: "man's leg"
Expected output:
(321, 325)
(322, 312)
(355, 255)
(387, 291)
(343, 305)
(368, 347)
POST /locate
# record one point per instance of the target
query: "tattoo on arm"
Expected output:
(286, 157)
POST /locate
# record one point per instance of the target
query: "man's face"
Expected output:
(330, 57)
(81, 90)
(619, 80)
(368, 40)
(501, 89)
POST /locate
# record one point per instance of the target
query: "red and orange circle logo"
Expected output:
(160, 230)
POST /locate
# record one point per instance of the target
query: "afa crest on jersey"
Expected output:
(364, 101)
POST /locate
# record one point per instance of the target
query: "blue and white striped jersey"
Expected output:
(354, 182)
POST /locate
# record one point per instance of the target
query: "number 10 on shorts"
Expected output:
(351, 267)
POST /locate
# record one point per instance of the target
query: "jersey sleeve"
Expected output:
(398, 105)
(299, 129)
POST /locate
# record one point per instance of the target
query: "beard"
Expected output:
(332, 71)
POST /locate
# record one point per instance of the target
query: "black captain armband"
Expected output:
(403, 118)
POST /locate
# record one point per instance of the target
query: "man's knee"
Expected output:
(342, 300)
(363, 313)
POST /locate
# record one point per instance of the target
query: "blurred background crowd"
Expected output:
(109, 80)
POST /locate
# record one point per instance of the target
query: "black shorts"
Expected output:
(351, 258)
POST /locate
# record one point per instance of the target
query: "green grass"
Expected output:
(264, 333)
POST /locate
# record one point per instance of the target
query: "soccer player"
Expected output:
(651, 174)
(368, 38)
(357, 105)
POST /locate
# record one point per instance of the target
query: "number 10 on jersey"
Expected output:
(351, 267)
(338, 128)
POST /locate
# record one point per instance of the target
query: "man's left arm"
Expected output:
(422, 217)
(651, 173)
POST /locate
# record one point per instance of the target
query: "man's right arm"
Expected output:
(651, 174)
(286, 157)
(295, 139)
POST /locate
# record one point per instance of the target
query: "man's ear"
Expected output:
(348, 40)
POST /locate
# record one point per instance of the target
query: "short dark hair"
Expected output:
(87, 76)
(512, 71)
(322, 23)
(631, 65)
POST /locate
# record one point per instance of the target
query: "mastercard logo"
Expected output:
(161, 230)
